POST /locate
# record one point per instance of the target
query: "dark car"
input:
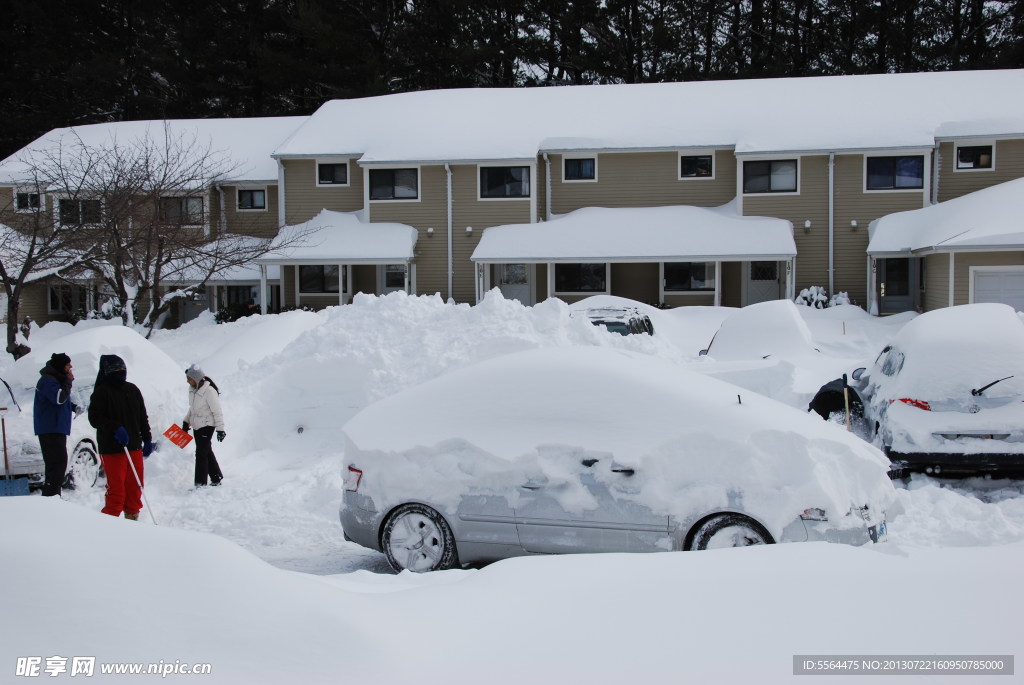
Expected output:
(621, 320)
(946, 396)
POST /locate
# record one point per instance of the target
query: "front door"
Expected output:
(896, 278)
(763, 282)
(514, 282)
(392, 278)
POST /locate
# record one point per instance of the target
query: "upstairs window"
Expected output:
(895, 173)
(394, 184)
(579, 169)
(332, 174)
(504, 181)
(974, 157)
(183, 211)
(774, 176)
(26, 202)
(249, 199)
(696, 166)
(74, 212)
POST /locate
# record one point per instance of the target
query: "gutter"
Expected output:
(547, 189)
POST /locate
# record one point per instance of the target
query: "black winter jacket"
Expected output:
(115, 402)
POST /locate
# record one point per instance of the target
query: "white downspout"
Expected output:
(263, 288)
(831, 223)
(280, 195)
(448, 171)
(547, 188)
(222, 220)
(952, 267)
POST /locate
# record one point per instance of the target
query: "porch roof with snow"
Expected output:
(646, 234)
(343, 238)
(987, 220)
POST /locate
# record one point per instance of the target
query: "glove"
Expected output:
(184, 426)
(78, 409)
(221, 435)
(147, 448)
(121, 436)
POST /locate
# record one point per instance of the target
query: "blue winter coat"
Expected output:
(52, 408)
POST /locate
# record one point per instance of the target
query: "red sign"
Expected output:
(179, 437)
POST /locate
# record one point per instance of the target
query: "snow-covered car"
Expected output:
(594, 449)
(621, 320)
(21, 445)
(946, 395)
(780, 331)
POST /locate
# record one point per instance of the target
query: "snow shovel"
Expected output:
(139, 482)
(846, 402)
(10, 486)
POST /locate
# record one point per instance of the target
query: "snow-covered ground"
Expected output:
(255, 579)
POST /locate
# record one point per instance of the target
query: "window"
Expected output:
(696, 166)
(974, 157)
(580, 169)
(252, 199)
(26, 201)
(332, 174)
(684, 276)
(79, 212)
(890, 361)
(776, 176)
(581, 278)
(394, 184)
(321, 278)
(66, 299)
(186, 211)
(394, 276)
(895, 173)
(504, 181)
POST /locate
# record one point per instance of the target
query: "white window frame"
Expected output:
(348, 173)
(741, 176)
(924, 173)
(566, 158)
(514, 198)
(973, 143)
(392, 167)
(342, 280)
(238, 199)
(30, 191)
(714, 167)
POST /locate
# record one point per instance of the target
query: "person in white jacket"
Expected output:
(204, 416)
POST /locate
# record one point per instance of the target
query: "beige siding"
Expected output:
(695, 300)
(258, 223)
(936, 282)
(1009, 164)
(636, 281)
(732, 279)
(304, 199)
(288, 290)
(364, 279)
(35, 305)
(643, 179)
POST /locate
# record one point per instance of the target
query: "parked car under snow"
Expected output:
(946, 396)
(621, 320)
(592, 449)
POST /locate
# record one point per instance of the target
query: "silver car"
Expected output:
(597, 450)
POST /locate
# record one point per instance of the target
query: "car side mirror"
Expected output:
(858, 373)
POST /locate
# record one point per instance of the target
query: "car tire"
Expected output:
(417, 538)
(729, 530)
(85, 470)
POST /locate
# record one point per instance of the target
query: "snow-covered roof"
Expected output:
(753, 116)
(644, 234)
(992, 218)
(343, 237)
(246, 143)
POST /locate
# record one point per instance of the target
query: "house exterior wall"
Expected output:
(936, 282)
(635, 281)
(262, 223)
(953, 183)
(305, 199)
(962, 269)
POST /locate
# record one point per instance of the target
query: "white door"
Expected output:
(514, 282)
(392, 278)
(764, 282)
(1000, 285)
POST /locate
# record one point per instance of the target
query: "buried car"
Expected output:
(946, 395)
(592, 449)
(621, 320)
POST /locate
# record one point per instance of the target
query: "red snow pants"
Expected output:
(123, 493)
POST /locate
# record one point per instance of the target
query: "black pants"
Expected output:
(206, 462)
(55, 456)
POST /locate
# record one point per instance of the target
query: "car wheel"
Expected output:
(729, 530)
(86, 470)
(418, 539)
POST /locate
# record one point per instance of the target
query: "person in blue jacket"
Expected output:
(51, 415)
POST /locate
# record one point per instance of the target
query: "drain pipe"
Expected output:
(547, 188)
(831, 223)
(448, 171)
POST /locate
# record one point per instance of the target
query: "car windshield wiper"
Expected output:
(986, 387)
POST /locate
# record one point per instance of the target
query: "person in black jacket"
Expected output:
(118, 413)
(51, 418)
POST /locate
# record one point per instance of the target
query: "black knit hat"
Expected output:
(59, 360)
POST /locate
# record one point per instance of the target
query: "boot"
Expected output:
(131, 517)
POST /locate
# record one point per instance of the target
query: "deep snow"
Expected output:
(194, 588)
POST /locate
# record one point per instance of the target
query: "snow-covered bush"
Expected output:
(816, 296)
(839, 298)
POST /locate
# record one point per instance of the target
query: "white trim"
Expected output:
(332, 160)
(714, 166)
(952, 270)
(975, 270)
(385, 167)
(973, 143)
(531, 166)
(579, 156)
(342, 280)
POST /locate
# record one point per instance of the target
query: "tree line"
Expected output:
(73, 62)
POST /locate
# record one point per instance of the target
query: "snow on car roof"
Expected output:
(779, 329)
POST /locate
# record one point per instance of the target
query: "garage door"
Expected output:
(1000, 285)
